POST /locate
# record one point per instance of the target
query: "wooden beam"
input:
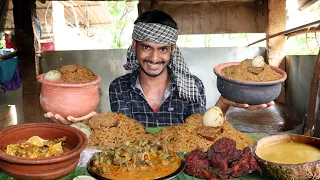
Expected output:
(309, 130)
(23, 14)
(285, 32)
(94, 5)
(154, 5)
(303, 4)
(199, 1)
(303, 31)
(276, 53)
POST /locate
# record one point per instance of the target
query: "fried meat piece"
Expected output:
(197, 163)
(108, 119)
(222, 152)
(209, 133)
(224, 145)
(68, 69)
(245, 165)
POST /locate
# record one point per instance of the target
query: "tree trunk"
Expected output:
(24, 14)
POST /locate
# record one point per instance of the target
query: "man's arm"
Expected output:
(117, 102)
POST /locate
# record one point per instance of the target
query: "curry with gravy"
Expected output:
(289, 153)
(36, 147)
(139, 159)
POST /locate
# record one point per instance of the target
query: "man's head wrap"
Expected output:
(154, 32)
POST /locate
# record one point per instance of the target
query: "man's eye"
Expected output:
(164, 49)
(146, 47)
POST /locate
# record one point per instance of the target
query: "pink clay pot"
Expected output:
(68, 99)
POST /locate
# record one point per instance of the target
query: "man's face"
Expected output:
(153, 57)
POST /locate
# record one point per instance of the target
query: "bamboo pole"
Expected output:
(285, 32)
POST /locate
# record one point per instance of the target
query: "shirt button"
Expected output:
(170, 109)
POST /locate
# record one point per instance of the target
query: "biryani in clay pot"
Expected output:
(70, 90)
(251, 81)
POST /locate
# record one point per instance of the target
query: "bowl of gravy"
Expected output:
(289, 156)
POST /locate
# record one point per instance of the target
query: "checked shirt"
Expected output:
(126, 97)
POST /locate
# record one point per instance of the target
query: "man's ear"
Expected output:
(134, 45)
(172, 48)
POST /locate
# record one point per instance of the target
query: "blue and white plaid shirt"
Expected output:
(126, 97)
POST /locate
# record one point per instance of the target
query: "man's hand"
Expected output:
(69, 120)
(224, 104)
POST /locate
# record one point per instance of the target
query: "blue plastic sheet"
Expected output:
(8, 66)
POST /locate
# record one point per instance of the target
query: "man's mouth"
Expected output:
(153, 65)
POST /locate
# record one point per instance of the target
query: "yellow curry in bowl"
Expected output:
(289, 153)
(36, 147)
(139, 159)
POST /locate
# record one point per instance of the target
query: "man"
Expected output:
(160, 91)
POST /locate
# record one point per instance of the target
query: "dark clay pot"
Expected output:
(246, 92)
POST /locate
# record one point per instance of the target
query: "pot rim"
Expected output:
(254, 149)
(41, 79)
(82, 144)
(218, 68)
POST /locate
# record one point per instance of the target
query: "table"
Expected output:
(182, 176)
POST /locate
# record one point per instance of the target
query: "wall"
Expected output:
(108, 64)
(216, 17)
(299, 70)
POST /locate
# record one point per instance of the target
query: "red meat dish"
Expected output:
(196, 163)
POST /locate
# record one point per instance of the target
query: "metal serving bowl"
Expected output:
(246, 92)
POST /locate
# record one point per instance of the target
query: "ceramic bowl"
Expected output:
(69, 99)
(246, 92)
(41, 168)
(302, 171)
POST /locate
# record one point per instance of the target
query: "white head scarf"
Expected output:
(154, 32)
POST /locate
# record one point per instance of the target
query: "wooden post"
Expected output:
(24, 15)
(154, 5)
(277, 16)
(309, 130)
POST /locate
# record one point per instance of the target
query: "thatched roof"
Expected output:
(99, 14)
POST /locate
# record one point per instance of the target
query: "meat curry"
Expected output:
(139, 159)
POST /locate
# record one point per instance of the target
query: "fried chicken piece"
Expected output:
(197, 163)
(222, 152)
(209, 133)
(224, 145)
(222, 160)
(208, 175)
(245, 165)
(224, 174)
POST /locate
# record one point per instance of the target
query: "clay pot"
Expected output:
(41, 168)
(246, 92)
(302, 171)
(69, 99)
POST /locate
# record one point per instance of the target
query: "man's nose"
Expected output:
(155, 56)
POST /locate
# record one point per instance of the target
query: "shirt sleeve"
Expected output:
(196, 107)
(117, 102)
